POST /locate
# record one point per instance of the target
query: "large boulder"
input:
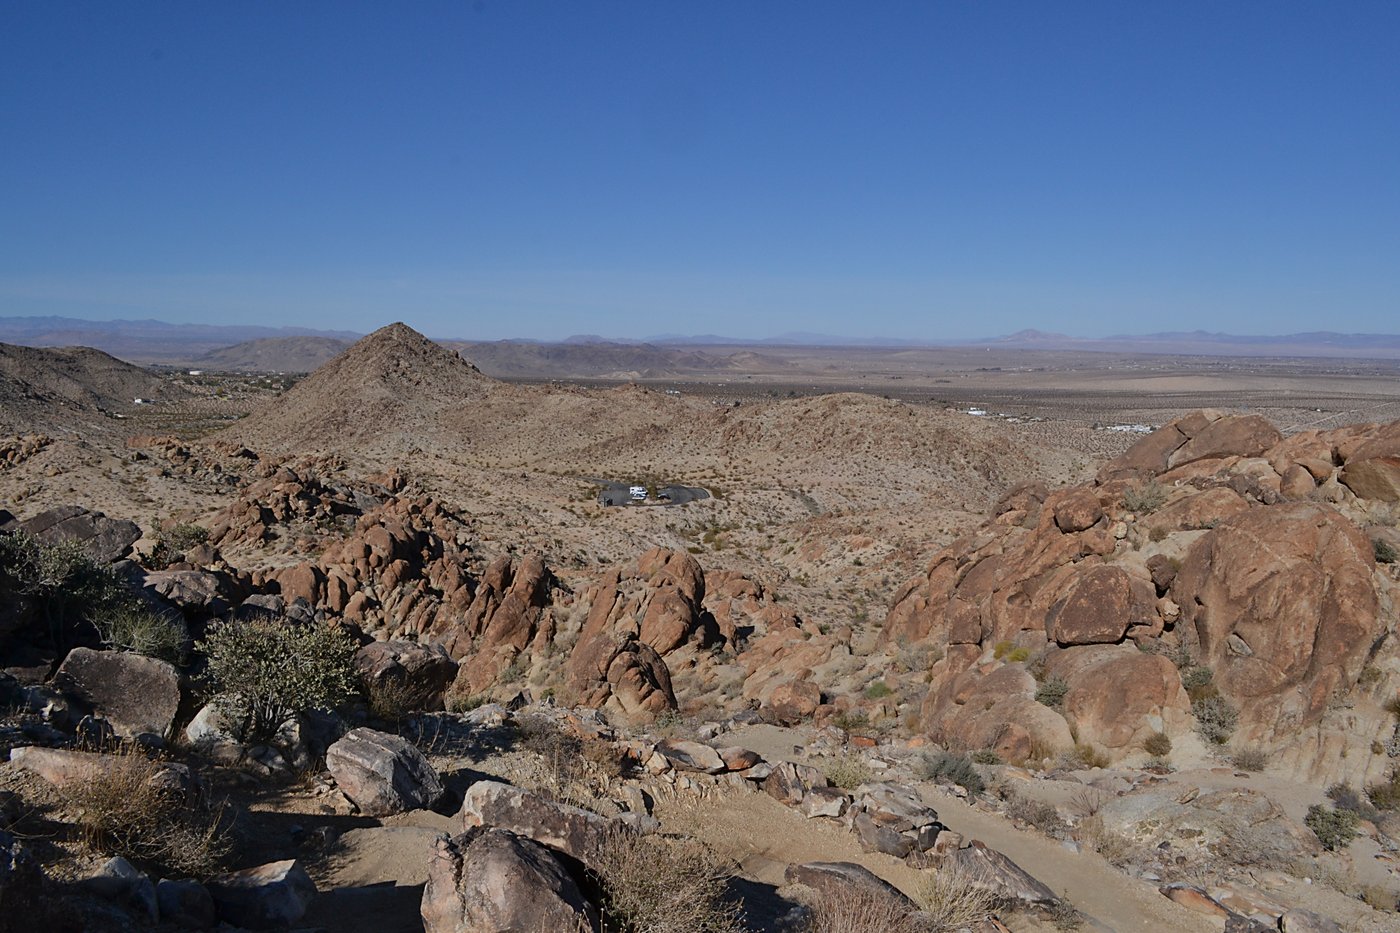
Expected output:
(268, 897)
(1230, 436)
(1097, 607)
(988, 869)
(1119, 696)
(691, 756)
(1373, 469)
(1281, 604)
(382, 773)
(844, 879)
(413, 674)
(103, 539)
(135, 694)
(494, 879)
(575, 832)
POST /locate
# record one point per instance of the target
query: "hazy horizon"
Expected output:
(535, 171)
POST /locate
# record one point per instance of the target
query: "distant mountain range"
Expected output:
(145, 341)
(288, 348)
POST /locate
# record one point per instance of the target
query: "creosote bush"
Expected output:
(264, 672)
(664, 884)
(1335, 829)
(1385, 795)
(1385, 551)
(958, 769)
(878, 690)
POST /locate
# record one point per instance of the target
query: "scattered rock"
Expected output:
(413, 674)
(104, 539)
(264, 898)
(494, 879)
(185, 904)
(990, 870)
(691, 756)
(136, 695)
(382, 773)
(575, 832)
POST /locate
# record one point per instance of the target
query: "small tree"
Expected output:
(266, 671)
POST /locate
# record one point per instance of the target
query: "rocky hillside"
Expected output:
(51, 389)
(391, 386)
(1217, 582)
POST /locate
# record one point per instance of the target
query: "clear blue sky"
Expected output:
(926, 169)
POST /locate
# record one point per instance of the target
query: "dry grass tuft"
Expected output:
(950, 902)
(857, 909)
(133, 809)
(665, 884)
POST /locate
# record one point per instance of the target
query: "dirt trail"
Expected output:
(1109, 899)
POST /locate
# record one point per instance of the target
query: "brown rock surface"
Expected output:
(497, 880)
(1280, 603)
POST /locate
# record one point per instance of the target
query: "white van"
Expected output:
(638, 492)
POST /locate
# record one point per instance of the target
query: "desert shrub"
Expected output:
(1346, 797)
(1158, 745)
(986, 756)
(946, 766)
(171, 545)
(1250, 759)
(1086, 803)
(1115, 848)
(129, 809)
(850, 721)
(561, 755)
(951, 901)
(390, 700)
(460, 699)
(1198, 682)
(911, 658)
(848, 772)
(1157, 533)
(1216, 718)
(265, 671)
(664, 884)
(1041, 815)
(1335, 829)
(1145, 498)
(1084, 755)
(1051, 692)
(843, 908)
(1018, 655)
(878, 690)
(133, 627)
(1385, 795)
(55, 585)
(1392, 706)
(1385, 551)
(1000, 649)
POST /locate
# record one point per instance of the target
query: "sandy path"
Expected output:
(1109, 899)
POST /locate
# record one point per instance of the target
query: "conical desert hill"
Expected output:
(389, 387)
(55, 389)
(395, 394)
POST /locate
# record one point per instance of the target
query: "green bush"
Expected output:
(1051, 692)
(878, 690)
(986, 756)
(1384, 550)
(1335, 829)
(133, 627)
(264, 672)
(56, 585)
(1346, 797)
(958, 769)
(1216, 718)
